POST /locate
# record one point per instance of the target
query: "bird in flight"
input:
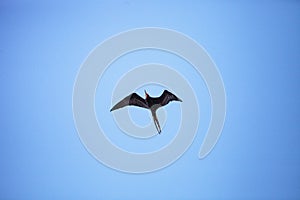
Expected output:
(152, 103)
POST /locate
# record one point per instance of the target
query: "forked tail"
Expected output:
(156, 122)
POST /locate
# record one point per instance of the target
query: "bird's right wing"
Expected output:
(133, 99)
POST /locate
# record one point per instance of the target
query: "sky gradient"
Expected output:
(256, 47)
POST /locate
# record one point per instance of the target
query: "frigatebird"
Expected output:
(152, 103)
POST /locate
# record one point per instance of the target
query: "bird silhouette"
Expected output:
(151, 103)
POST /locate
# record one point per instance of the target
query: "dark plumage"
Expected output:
(152, 103)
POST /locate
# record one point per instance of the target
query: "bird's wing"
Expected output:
(136, 100)
(166, 97)
(133, 99)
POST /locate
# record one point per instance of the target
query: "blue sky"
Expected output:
(256, 47)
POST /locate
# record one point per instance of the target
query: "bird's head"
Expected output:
(146, 94)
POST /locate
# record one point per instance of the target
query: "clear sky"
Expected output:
(256, 47)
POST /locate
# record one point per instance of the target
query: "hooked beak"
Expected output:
(146, 94)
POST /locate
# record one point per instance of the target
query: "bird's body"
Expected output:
(151, 103)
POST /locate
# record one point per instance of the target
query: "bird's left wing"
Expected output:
(133, 99)
(167, 96)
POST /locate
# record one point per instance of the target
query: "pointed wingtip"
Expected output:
(113, 108)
